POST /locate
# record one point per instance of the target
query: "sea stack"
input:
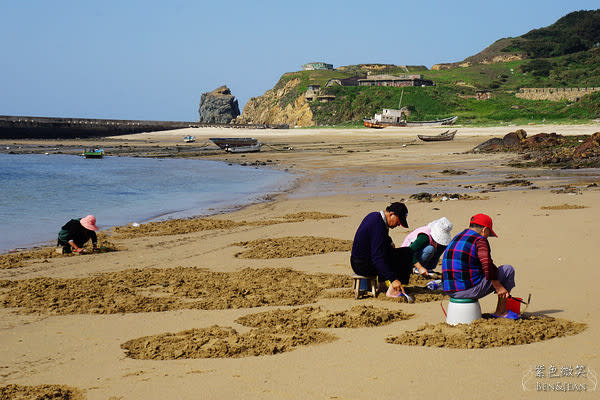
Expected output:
(218, 106)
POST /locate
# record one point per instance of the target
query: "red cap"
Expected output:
(484, 220)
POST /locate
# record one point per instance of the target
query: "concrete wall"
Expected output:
(23, 127)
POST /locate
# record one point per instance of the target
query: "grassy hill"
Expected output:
(565, 54)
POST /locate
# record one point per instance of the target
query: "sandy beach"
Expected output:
(258, 303)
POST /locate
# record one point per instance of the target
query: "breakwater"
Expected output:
(24, 127)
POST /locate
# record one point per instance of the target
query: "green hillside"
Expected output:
(569, 58)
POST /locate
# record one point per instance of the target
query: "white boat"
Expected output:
(244, 149)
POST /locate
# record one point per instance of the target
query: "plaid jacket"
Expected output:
(461, 268)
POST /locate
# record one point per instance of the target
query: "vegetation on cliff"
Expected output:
(563, 55)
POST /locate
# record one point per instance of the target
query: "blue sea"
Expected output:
(40, 193)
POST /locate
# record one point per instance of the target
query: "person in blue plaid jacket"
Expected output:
(468, 271)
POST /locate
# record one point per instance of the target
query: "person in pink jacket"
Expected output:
(428, 244)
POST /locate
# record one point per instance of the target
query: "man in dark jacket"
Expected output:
(374, 253)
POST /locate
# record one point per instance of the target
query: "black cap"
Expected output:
(400, 210)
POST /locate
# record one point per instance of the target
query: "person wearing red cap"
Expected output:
(373, 251)
(468, 271)
(75, 233)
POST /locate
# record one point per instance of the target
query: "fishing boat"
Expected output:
(93, 153)
(442, 137)
(393, 117)
(244, 149)
(389, 117)
(189, 139)
(234, 142)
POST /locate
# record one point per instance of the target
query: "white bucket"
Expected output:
(463, 311)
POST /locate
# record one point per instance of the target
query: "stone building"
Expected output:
(397, 81)
(317, 66)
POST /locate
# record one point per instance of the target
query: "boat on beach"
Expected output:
(231, 142)
(442, 137)
(93, 153)
(437, 122)
(244, 149)
(189, 139)
(392, 117)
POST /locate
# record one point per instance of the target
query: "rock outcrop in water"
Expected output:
(218, 106)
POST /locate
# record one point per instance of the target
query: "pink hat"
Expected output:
(89, 222)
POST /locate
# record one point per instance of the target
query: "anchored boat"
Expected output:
(93, 153)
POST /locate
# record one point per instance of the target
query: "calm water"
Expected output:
(40, 193)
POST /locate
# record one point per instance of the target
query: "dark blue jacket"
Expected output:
(371, 244)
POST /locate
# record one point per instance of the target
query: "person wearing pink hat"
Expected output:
(76, 233)
(468, 271)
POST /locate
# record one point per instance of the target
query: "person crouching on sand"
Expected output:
(468, 271)
(373, 251)
(77, 232)
(428, 244)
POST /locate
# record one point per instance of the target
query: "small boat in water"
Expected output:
(234, 142)
(442, 137)
(189, 139)
(93, 153)
(244, 149)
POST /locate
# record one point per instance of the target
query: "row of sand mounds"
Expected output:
(489, 332)
(181, 226)
(156, 289)
(40, 392)
(564, 206)
(274, 332)
(287, 247)
(21, 258)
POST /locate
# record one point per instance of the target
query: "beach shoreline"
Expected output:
(545, 224)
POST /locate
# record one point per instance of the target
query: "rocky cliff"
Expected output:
(273, 108)
(218, 106)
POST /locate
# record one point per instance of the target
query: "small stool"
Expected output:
(370, 281)
(463, 311)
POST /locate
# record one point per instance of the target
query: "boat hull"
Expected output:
(223, 143)
(444, 137)
(379, 125)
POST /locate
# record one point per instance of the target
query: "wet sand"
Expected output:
(258, 303)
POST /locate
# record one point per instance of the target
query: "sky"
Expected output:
(152, 60)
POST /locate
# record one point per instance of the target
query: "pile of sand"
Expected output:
(316, 317)
(21, 259)
(219, 342)
(41, 392)
(155, 289)
(489, 332)
(179, 226)
(274, 332)
(287, 247)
